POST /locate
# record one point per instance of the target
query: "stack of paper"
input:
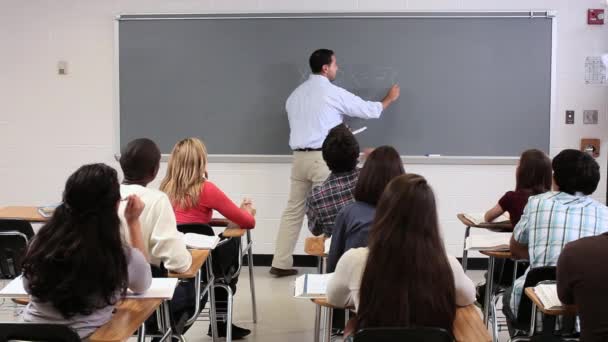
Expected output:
(311, 285)
(479, 218)
(200, 241)
(547, 293)
(492, 242)
(160, 288)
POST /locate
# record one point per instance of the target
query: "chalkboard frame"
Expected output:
(417, 159)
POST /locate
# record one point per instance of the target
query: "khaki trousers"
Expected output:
(308, 170)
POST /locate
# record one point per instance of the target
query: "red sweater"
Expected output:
(212, 198)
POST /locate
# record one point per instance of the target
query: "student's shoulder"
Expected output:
(356, 254)
(147, 195)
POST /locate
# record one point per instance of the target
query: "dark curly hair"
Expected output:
(575, 171)
(77, 261)
(340, 149)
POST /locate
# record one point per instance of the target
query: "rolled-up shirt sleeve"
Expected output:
(352, 105)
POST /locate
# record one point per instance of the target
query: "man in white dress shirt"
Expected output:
(313, 108)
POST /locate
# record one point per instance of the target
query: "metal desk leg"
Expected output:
(251, 284)
(327, 323)
(465, 253)
(317, 323)
(320, 265)
(141, 333)
(164, 321)
(211, 293)
(489, 289)
(532, 321)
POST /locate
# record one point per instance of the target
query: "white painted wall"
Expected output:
(51, 124)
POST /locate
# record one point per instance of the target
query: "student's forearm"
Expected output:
(518, 250)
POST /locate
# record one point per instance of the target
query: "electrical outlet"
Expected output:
(569, 117)
(590, 117)
(62, 68)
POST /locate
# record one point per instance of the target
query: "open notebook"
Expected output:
(311, 285)
(200, 241)
(492, 242)
(478, 218)
(547, 293)
(162, 288)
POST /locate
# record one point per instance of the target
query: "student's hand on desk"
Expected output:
(134, 208)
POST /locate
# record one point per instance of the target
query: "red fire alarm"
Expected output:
(595, 16)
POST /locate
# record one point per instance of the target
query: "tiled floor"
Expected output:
(280, 316)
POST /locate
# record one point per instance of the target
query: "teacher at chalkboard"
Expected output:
(313, 108)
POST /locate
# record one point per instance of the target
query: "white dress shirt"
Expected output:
(316, 106)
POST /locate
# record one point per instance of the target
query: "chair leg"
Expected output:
(141, 333)
(465, 253)
(317, 323)
(251, 283)
(328, 318)
(229, 315)
(320, 265)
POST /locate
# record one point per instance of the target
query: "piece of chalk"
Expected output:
(433, 155)
(357, 131)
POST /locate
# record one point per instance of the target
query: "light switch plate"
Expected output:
(569, 117)
(590, 117)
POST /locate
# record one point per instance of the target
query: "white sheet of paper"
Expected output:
(160, 288)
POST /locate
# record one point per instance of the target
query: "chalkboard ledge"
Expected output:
(281, 159)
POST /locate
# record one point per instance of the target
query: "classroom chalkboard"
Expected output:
(472, 84)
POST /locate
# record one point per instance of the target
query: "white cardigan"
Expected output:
(343, 287)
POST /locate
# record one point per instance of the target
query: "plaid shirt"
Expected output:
(549, 222)
(326, 200)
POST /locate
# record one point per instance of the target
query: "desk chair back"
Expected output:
(390, 334)
(14, 237)
(535, 276)
(37, 332)
(226, 254)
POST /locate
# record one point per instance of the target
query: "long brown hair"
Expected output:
(407, 280)
(534, 173)
(185, 173)
(381, 166)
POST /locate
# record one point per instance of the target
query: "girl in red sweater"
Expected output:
(194, 199)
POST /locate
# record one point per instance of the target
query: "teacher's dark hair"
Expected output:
(77, 260)
(407, 281)
(320, 58)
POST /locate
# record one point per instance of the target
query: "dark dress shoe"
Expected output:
(279, 272)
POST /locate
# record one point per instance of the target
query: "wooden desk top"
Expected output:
(129, 316)
(199, 256)
(468, 325)
(315, 245)
(22, 213)
(500, 227)
(569, 310)
(498, 254)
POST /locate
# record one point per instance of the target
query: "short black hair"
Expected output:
(575, 171)
(318, 59)
(340, 149)
(139, 159)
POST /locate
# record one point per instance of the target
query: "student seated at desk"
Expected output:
(582, 275)
(194, 199)
(553, 219)
(355, 220)
(404, 278)
(532, 177)
(341, 153)
(77, 267)
(140, 161)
